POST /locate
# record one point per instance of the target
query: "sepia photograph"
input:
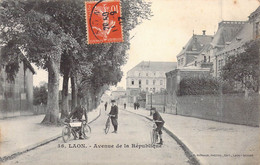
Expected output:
(134, 82)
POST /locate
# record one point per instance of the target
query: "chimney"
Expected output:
(204, 32)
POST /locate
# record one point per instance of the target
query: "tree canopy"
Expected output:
(52, 34)
(243, 68)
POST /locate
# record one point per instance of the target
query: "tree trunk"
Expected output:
(65, 97)
(73, 93)
(52, 115)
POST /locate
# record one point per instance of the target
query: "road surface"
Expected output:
(131, 145)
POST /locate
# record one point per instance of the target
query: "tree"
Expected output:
(43, 40)
(40, 95)
(52, 35)
(244, 67)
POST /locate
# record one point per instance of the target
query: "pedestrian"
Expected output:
(105, 106)
(159, 123)
(137, 105)
(124, 105)
(114, 115)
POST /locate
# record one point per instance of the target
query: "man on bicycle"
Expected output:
(77, 113)
(159, 123)
(114, 115)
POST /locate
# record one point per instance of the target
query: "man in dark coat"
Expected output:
(105, 106)
(114, 115)
(78, 113)
(159, 123)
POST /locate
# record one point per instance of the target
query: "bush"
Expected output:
(203, 86)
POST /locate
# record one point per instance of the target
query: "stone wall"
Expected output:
(231, 108)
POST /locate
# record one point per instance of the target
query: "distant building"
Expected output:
(16, 98)
(119, 92)
(148, 76)
(119, 95)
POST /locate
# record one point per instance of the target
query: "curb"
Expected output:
(34, 146)
(190, 155)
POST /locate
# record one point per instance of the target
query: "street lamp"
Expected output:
(151, 92)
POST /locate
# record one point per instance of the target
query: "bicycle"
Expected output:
(107, 126)
(154, 135)
(73, 128)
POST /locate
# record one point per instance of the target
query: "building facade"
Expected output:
(193, 48)
(148, 76)
(16, 98)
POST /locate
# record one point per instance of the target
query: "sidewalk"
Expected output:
(213, 143)
(23, 133)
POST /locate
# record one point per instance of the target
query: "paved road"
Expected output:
(103, 148)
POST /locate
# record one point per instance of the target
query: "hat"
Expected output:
(112, 101)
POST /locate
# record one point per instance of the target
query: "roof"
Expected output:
(154, 66)
(257, 11)
(196, 43)
(227, 30)
(245, 35)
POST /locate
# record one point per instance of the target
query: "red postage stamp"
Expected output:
(104, 21)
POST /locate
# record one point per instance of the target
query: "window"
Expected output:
(139, 74)
(140, 83)
(195, 63)
(146, 89)
(205, 59)
(154, 82)
(209, 58)
(133, 82)
(154, 73)
(161, 82)
(182, 61)
(146, 74)
(220, 64)
(147, 82)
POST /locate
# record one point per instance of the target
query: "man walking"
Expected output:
(105, 106)
(114, 115)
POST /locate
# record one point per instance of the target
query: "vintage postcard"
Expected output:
(135, 82)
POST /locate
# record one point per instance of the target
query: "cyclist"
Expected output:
(114, 115)
(78, 113)
(159, 123)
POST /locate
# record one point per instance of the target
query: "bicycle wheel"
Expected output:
(66, 134)
(154, 136)
(107, 126)
(86, 131)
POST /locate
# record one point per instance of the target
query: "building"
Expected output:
(254, 19)
(16, 98)
(148, 76)
(193, 48)
(234, 47)
(119, 92)
(119, 95)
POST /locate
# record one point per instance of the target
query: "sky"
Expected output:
(174, 21)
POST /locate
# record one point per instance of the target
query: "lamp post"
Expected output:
(151, 92)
